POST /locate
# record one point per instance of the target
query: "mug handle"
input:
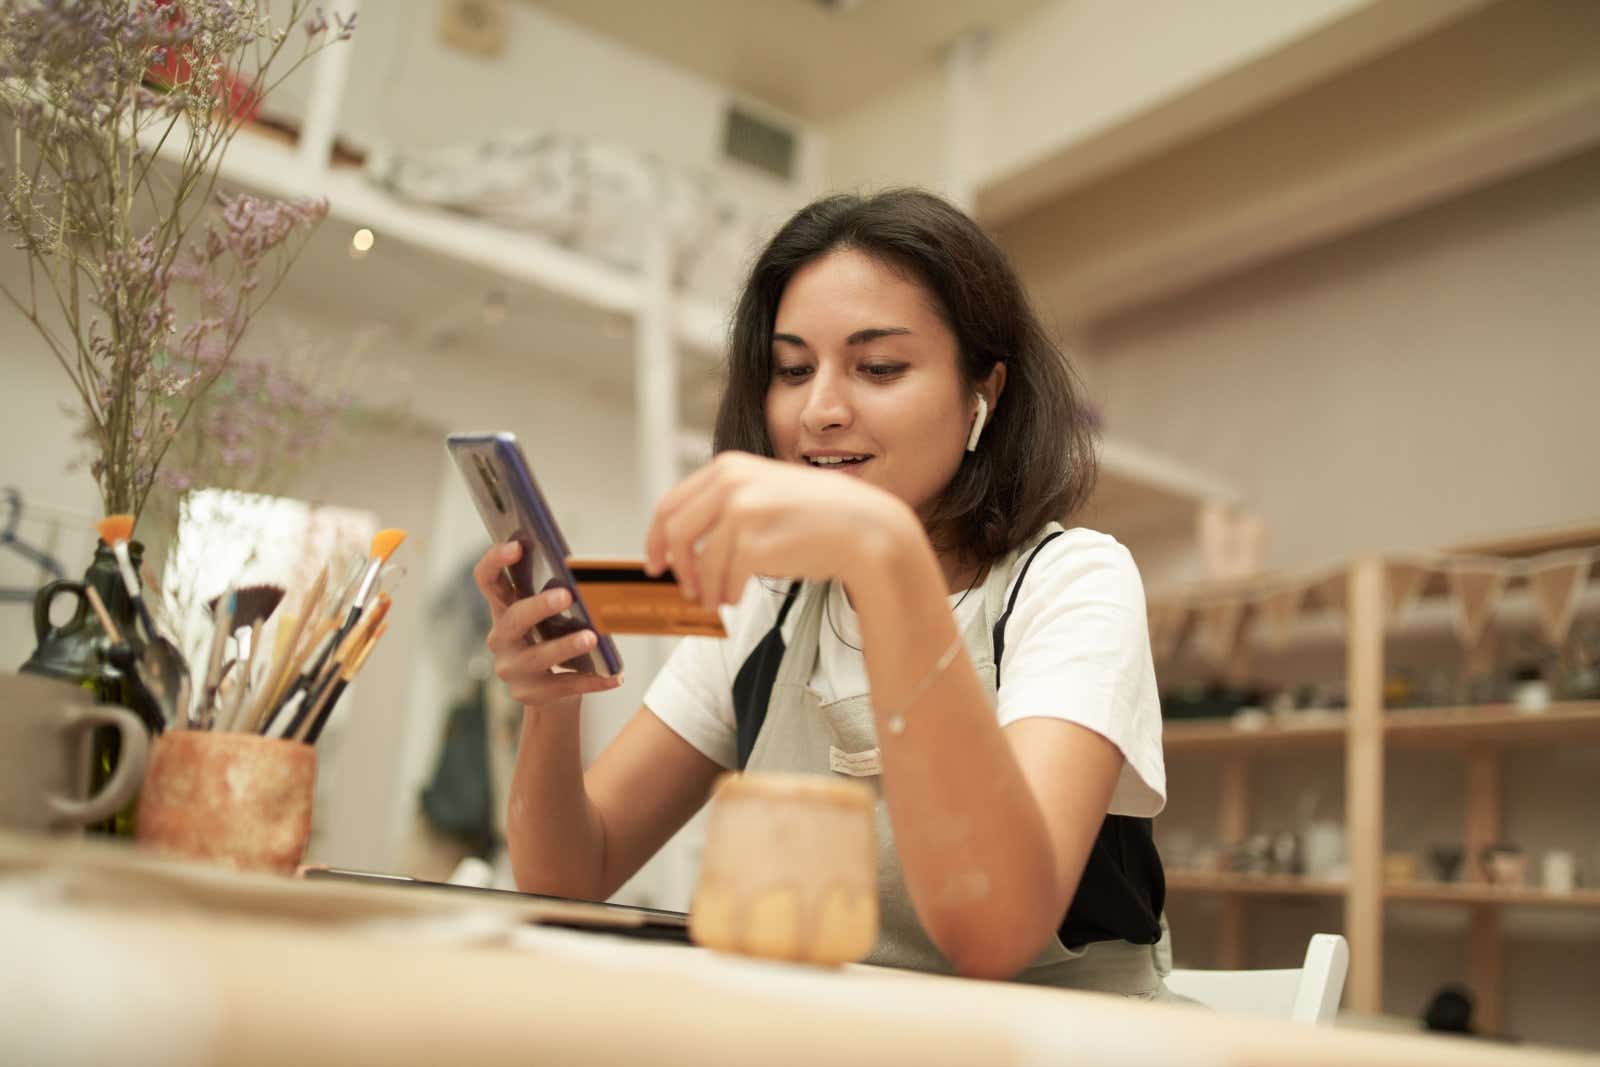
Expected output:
(125, 780)
(46, 597)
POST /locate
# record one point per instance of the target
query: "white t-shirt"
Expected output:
(1077, 647)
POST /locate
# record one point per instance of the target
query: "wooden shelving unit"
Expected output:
(1364, 731)
(1219, 736)
(1282, 885)
(1497, 725)
(1479, 893)
(1259, 885)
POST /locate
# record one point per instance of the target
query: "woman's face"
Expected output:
(864, 369)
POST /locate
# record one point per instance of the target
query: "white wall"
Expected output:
(895, 139)
(35, 447)
(1420, 384)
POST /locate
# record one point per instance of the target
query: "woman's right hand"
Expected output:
(528, 667)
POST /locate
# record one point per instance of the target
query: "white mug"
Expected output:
(1323, 853)
(1560, 872)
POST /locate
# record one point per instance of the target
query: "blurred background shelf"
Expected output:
(1220, 735)
(1497, 725)
(1375, 748)
(1264, 885)
(1481, 893)
(1493, 724)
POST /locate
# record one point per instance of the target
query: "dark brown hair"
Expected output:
(1035, 461)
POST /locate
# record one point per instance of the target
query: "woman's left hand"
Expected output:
(741, 515)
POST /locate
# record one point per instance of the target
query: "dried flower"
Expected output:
(141, 281)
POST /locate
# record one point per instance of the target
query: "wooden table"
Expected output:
(110, 955)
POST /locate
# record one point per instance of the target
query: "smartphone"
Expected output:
(512, 508)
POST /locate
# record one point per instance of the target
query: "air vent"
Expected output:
(764, 145)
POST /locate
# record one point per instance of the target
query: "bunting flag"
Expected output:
(1332, 591)
(1479, 657)
(1555, 587)
(1278, 611)
(1167, 622)
(1476, 587)
(1404, 581)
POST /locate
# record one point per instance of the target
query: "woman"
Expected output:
(896, 437)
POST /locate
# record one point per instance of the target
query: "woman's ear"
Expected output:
(996, 382)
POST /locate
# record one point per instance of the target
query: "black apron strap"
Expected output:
(752, 688)
(1123, 887)
(1000, 623)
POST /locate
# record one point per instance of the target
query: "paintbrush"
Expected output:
(384, 542)
(390, 577)
(345, 651)
(165, 673)
(222, 609)
(120, 653)
(319, 718)
(293, 639)
(286, 709)
(155, 597)
(253, 606)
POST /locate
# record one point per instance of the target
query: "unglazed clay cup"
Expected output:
(239, 800)
(45, 750)
(789, 870)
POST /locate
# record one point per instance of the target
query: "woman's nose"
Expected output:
(827, 404)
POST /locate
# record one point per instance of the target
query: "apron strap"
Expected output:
(753, 686)
(1016, 590)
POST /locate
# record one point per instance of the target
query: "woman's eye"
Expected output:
(883, 370)
(791, 373)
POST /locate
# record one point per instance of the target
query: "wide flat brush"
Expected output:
(253, 606)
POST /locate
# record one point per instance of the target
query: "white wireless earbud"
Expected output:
(977, 424)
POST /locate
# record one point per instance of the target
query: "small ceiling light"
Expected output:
(362, 241)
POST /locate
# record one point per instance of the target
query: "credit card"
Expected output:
(623, 599)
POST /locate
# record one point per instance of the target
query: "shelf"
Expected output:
(1495, 725)
(1483, 893)
(1261, 885)
(1581, 535)
(264, 163)
(1210, 735)
(1492, 724)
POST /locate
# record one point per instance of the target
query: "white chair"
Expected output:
(1306, 994)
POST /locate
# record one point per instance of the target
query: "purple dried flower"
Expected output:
(168, 318)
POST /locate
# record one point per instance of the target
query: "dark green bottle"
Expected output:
(75, 652)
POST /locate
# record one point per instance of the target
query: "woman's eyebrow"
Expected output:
(857, 338)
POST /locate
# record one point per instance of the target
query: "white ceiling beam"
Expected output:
(1080, 90)
(1509, 90)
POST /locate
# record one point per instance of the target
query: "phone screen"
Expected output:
(512, 508)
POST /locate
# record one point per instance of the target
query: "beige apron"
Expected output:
(803, 734)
